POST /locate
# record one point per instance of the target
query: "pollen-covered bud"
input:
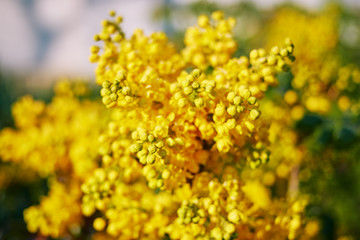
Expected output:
(254, 114)
(136, 147)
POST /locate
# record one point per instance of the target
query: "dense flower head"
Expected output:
(47, 132)
(211, 43)
(58, 214)
(182, 126)
(176, 118)
(319, 77)
(184, 145)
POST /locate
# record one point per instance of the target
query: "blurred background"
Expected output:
(44, 40)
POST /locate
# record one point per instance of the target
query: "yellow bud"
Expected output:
(290, 97)
(112, 175)
(143, 152)
(160, 132)
(188, 90)
(99, 224)
(217, 15)
(88, 209)
(195, 85)
(177, 96)
(118, 37)
(237, 100)
(254, 114)
(234, 216)
(165, 174)
(170, 142)
(203, 21)
(151, 138)
(152, 183)
(196, 73)
(149, 172)
(252, 100)
(266, 71)
(212, 210)
(112, 13)
(96, 38)
(179, 141)
(224, 145)
(254, 54)
(220, 109)
(229, 228)
(249, 125)
(100, 204)
(160, 144)
(142, 159)
(161, 153)
(159, 183)
(199, 102)
(255, 77)
(94, 49)
(129, 99)
(312, 228)
(93, 58)
(275, 50)
(121, 75)
(182, 102)
(185, 83)
(119, 19)
(150, 159)
(152, 148)
(288, 42)
(190, 78)
(216, 233)
(85, 188)
(125, 90)
(106, 159)
(231, 21)
(100, 174)
(244, 92)
(231, 110)
(290, 49)
(254, 164)
(143, 136)
(135, 135)
(113, 96)
(271, 60)
(230, 97)
(284, 52)
(231, 123)
(106, 84)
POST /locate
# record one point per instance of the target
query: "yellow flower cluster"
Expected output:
(211, 43)
(59, 213)
(318, 81)
(180, 133)
(129, 210)
(317, 65)
(176, 155)
(232, 209)
(48, 132)
(346, 86)
(176, 118)
(58, 141)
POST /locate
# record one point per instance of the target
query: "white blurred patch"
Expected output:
(17, 40)
(349, 34)
(75, 22)
(69, 53)
(55, 14)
